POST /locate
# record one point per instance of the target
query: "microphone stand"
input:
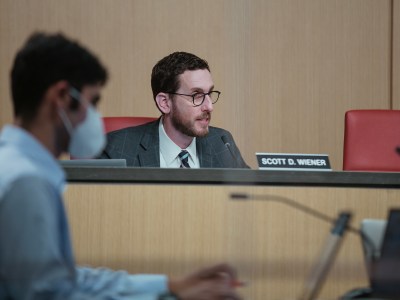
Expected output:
(327, 257)
(331, 247)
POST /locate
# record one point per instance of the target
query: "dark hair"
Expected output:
(44, 60)
(164, 77)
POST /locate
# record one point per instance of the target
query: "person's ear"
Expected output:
(58, 94)
(163, 102)
(57, 97)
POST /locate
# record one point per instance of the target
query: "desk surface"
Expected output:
(172, 221)
(233, 177)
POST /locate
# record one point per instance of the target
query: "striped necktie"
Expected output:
(184, 157)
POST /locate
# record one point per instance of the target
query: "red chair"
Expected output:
(371, 138)
(115, 123)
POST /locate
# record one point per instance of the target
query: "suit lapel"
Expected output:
(204, 153)
(149, 156)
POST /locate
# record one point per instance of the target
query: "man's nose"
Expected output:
(207, 104)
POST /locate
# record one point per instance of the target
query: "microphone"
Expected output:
(294, 204)
(331, 247)
(228, 145)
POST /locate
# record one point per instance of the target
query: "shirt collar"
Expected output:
(170, 150)
(29, 146)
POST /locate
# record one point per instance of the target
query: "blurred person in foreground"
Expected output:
(56, 86)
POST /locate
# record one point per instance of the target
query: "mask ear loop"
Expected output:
(77, 97)
(66, 121)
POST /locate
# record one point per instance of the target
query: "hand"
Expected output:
(213, 283)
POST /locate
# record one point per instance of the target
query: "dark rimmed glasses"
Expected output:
(198, 98)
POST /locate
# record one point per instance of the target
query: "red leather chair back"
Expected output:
(115, 123)
(370, 140)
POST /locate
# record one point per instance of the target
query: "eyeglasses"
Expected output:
(198, 98)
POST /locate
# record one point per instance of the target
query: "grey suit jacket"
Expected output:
(140, 146)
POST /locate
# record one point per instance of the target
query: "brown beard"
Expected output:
(187, 128)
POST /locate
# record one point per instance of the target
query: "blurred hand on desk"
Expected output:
(216, 282)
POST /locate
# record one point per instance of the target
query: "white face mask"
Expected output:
(87, 139)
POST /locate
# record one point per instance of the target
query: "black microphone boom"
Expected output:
(306, 209)
(228, 145)
(292, 203)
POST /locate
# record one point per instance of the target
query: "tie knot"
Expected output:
(184, 154)
(184, 157)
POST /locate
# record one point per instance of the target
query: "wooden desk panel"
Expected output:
(174, 229)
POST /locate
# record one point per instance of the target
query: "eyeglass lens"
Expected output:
(199, 98)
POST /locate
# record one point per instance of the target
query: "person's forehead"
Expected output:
(201, 79)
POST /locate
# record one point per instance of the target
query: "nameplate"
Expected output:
(293, 162)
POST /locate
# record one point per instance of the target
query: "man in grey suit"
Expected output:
(183, 91)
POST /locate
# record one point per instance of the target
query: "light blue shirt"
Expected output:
(169, 151)
(36, 260)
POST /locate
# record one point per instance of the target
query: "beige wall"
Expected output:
(288, 69)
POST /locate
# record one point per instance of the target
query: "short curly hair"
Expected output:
(44, 60)
(164, 77)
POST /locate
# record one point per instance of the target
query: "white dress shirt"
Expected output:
(169, 151)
